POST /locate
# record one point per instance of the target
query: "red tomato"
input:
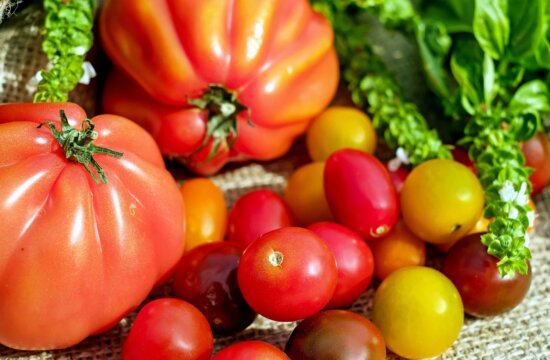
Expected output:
(537, 156)
(360, 193)
(398, 249)
(76, 255)
(336, 335)
(257, 213)
(249, 350)
(169, 329)
(474, 272)
(277, 271)
(275, 57)
(398, 177)
(206, 215)
(207, 278)
(353, 261)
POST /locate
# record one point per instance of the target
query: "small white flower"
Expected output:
(89, 73)
(522, 197)
(507, 193)
(32, 84)
(513, 214)
(79, 50)
(527, 240)
(531, 217)
(401, 158)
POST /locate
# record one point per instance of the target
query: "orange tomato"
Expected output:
(398, 249)
(206, 212)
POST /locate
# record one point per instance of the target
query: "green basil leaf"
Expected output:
(525, 125)
(490, 87)
(457, 15)
(466, 66)
(526, 26)
(492, 26)
(531, 96)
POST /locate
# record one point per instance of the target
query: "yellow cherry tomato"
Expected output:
(340, 127)
(305, 195)
(441, 201)
(398, 249)
(205, 212)
(418, 311)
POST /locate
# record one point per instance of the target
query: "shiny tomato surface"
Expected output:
(537, 156)
(336, 335)
(169, 329)
(353, 261)
(287, 274)
(257, 213)
(360, 193)
(475, 274)
(206, 215)
(275, 57)
(76, 256)
(207, 278)
(251, 350)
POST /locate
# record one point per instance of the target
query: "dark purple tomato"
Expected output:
(207, 278)
(537, 156)
(360, 193)
(474, 273)
(336, 335)
(353, 261)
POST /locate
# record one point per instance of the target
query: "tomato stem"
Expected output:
(223, 108)
(78, 145)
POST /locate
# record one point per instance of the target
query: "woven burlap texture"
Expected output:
(523, 333)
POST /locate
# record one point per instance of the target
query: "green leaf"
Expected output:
(466, 66)
(526, 26)
(457, 15)
(490, 87)
(532, 96)
(525, 125)
(492, 26)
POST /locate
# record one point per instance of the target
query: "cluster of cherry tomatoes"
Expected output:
(308, 255)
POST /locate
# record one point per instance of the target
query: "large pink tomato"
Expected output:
(219, 80)
(76, 255)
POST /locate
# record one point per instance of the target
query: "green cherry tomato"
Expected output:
(340, 127)
(419, 312)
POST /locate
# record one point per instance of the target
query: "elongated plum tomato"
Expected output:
(206, 215)
(169, 329)
(305, 195)
(353, 261)
(76, 256)
(537, 156)
(207, 278)
(398, 249)
(419, 312)
(287, 274)
(340, 127)
(257, 213)
(475, 274)
(251, 350)
(336, 335)
(219, 80)
(441, 201)
(360, 193)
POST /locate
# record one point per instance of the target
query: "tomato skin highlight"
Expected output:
(206, 216)
(103, 246)
(277, 271)
(353, 260)
(475, 274)
(206, 277)
(336, 335)
(537, 155)
(360, 193)
(256, 213)
(418, 311)
(169, 329)
(248, 350)
(278, 58)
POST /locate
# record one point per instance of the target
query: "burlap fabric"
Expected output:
(523, 333)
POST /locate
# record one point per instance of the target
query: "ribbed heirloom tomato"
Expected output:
(188, 70)
(76, 255)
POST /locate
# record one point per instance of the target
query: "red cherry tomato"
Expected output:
(474, 272)
(169, 329)
(398, 176)
(257, 213)
(353, 261)
(250, 350)
(287, 274)
(537, 156)
(360, 193)
(336, 335)
(207, 278)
